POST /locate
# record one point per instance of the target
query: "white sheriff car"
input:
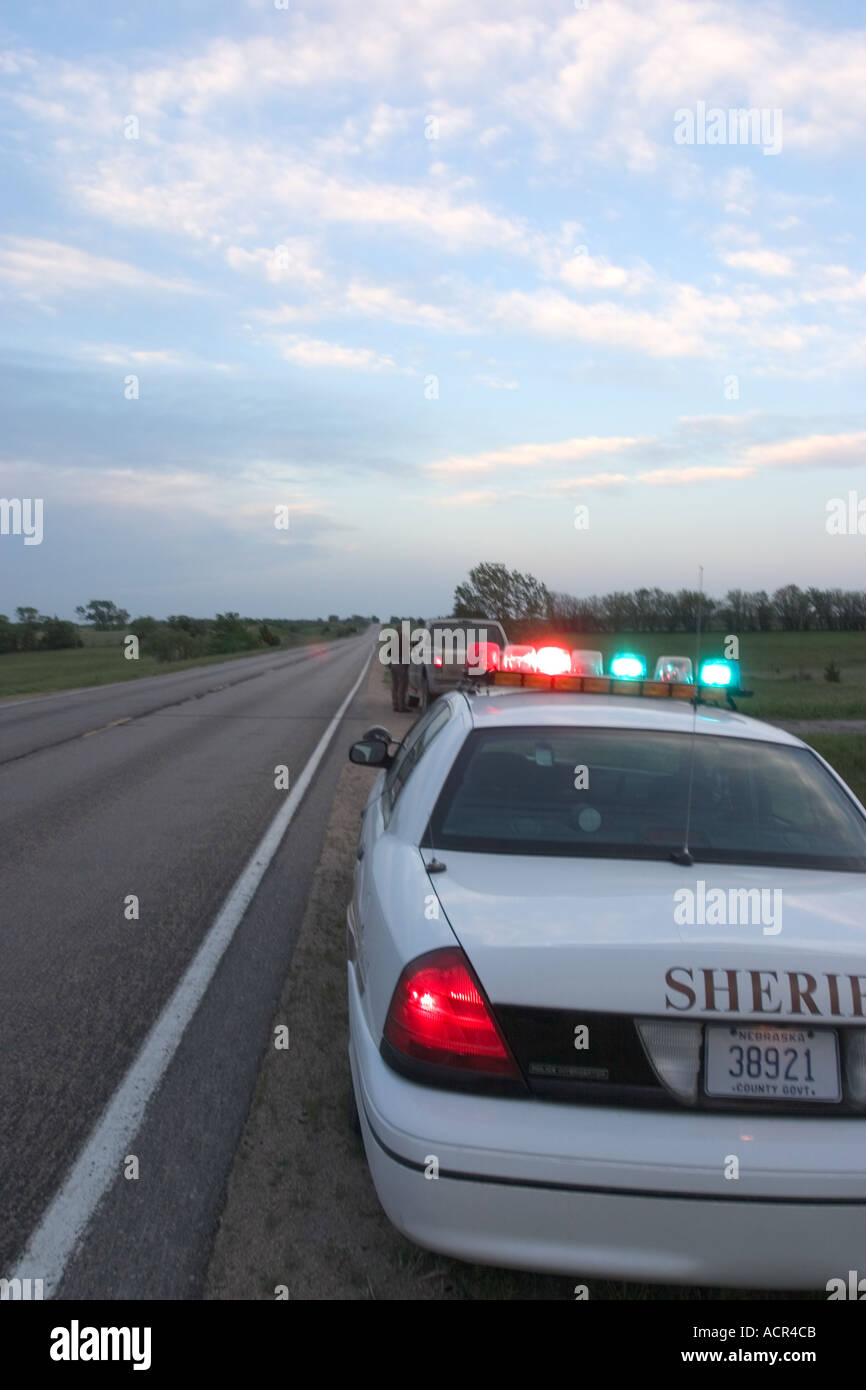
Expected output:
(607, 988)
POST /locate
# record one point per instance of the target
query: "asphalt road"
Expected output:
(167, 805)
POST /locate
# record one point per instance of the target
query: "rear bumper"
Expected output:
(594, 1192)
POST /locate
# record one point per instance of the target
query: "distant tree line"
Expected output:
(180, 637)
(493, 591)
(34, 632)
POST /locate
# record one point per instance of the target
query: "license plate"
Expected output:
(766, 1063)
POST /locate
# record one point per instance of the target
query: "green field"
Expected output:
(92, 637)
(101, 661)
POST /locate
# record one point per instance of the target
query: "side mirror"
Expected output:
(370, 753)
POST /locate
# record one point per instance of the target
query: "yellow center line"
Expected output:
(113, 725)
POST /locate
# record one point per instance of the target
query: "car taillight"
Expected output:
(437, 661)
(438, 1014)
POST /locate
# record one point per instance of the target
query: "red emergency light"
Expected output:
(519, 658)
(553, 661)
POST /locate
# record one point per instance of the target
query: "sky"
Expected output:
(429, 276)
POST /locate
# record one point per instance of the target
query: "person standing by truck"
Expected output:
(399, 673)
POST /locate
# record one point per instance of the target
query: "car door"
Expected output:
(377, 811)
(392, 864)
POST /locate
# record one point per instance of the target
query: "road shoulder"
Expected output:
(300, 1207)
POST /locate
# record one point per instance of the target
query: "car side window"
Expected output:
(417, 741)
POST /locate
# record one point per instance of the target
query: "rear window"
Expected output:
(484, 631)
(623, 794)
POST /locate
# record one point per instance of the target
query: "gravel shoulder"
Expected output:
(301, 1210)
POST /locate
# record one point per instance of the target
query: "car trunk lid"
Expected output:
(609, 935)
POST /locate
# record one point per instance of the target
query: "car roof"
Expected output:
(492, 622)
(493, 708)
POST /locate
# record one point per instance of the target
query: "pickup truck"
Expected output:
(449, 640)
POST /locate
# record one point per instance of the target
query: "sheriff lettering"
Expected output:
(721, 991)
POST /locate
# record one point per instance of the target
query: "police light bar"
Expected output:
(606, 685)
(594, 685)
(552, 669)
(587, 663)
(675, 668)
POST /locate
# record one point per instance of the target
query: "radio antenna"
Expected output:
(684, 856)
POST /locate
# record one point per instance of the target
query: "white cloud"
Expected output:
(116, 355)
(763, 262)
(713, 423)
(809, 451)
(594, 482)
(710, 474)
(381, 301)
(834, 284)
(731, 465)
(44, 270)
(468, 499)
(361, 299)
(242, 498)
(585, 272)
(315, 352)
(213, 191)
(495, 383)
(533, 455)
(688, 324)
(292, 262)
(492, 135)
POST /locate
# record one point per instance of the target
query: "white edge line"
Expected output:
(65, 1222)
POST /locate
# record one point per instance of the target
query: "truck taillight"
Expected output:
(483, 656)
(439, 1015)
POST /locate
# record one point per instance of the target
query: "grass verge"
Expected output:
(39, 673)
